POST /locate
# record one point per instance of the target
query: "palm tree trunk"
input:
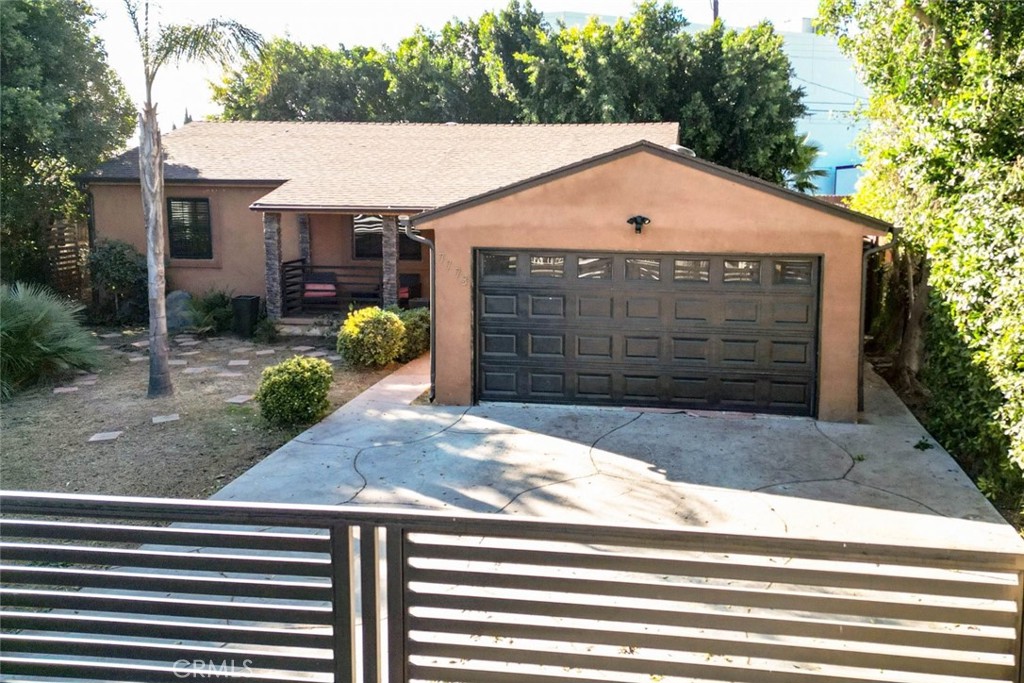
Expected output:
(151, 171)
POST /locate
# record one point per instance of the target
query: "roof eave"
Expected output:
(338, 208)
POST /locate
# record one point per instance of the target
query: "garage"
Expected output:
(674, 330)
(646, 277)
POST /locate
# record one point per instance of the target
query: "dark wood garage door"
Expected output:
(719, 332)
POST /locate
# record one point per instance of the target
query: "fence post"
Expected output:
(396, 604)
(341, 584)
(1019, 650)
(369, 559)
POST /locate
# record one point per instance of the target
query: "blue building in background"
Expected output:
(831, 93)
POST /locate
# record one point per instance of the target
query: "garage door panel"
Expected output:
(681, 330)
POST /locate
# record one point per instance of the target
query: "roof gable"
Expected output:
(643, 147)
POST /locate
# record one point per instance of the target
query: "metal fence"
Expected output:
(164, 590)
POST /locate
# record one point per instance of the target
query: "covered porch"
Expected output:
(344, 259)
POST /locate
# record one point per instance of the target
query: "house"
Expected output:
(592, 264)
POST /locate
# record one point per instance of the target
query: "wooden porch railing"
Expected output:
(102, 588)
(303, 287)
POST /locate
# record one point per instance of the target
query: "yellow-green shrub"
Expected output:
(295, 392)
(371, 337)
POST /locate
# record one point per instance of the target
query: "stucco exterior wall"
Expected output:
(238, 254)
(691, 210)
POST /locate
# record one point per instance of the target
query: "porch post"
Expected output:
(389, 261)
(304, 236)
(272, 247)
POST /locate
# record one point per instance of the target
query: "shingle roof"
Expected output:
(377, 165)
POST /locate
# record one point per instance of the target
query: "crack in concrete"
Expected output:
(590, 451)
(394, 443)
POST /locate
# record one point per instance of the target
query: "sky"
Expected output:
(356, 22)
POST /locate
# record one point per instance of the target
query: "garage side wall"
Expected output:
(691, 211)
(237, 232)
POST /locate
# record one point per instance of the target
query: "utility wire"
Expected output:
(819, 85)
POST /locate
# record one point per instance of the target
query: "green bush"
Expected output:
(371, 337)
(417, 331)
(212, 310)
(118, 270)
(295, 392)
(41, 337)
(265, 332)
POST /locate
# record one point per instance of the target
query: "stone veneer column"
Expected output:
(272, 247)
(389, 261)
(304, 236)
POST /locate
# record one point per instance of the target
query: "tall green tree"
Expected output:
(57, 122)
(217, 39)
(944, 160)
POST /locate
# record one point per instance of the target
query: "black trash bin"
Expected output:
(246, 311)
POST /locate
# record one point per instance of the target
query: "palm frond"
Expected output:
(219, 40)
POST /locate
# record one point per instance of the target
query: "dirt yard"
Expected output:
(45, 432)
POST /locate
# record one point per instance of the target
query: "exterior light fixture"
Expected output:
(639, 222)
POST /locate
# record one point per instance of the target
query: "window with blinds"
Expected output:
(188, 229)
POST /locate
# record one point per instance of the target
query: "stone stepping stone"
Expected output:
(160, 419)
(240, 399)
(334, 357)
(190, 353)
(65, 390)
(316, 354)
(136, 359)
(237, 363)
(242, 349)
(141, 344)
(103, 347)
(196, 370)
(188, 342)
(111, 335)
(266, 352)
(177, 362)
(183, 338)
(303, 349)
(105, 436)
(230, 374)
(85, 382)
(87, 377)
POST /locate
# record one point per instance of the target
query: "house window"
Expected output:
(371, 245)
(188, 229)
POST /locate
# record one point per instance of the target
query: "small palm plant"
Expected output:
(41, 337)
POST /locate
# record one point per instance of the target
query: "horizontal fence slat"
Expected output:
(202, 609)
(247, 564)
(203, 538)
(161, 651)
(466, 674)
(826, 604)
(972, 641)
(165, 583)
(113, 671)
(155, 628)
(565, 660)
(734, 569)
(720, 646)
(494, 526)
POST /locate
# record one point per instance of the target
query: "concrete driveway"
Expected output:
(743, 473)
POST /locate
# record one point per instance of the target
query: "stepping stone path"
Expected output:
(266, 352)
(64, 390)
(230, 374)
(303, 349)
(237, 363)
(190, 353)
(85, 382)
(242, 349)
(136, 359)
(196, 370)
(189, 342)
(86, 377)
(240, 399)
(103, 347)
(334, 357)
(141, 344)
(111, 335)
(160, 419)
(105, 436)
(177, 362)
(316, 354)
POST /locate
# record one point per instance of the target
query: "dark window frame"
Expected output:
(194, 215)
(378, 253)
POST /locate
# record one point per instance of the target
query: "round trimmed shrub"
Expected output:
(295, 392)
(371, 337)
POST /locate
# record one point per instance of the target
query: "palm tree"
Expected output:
(217, 39)
(801, 177)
